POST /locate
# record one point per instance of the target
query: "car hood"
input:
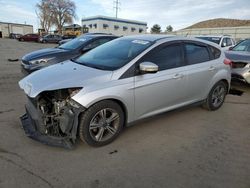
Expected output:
(47, 52)
(238, 56)
(61, 76)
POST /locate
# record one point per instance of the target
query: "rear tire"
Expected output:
(216, 96)
(101, 123)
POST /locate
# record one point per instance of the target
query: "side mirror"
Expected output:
(231, 48)
(148, 67)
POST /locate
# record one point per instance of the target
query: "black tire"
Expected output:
(94, 114)
(210, 103)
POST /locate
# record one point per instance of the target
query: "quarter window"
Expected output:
(166, 57)
(215, 52)
(196, 54)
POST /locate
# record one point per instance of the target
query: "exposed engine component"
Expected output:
(57, 112)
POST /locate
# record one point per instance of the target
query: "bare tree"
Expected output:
(45, 15)
(63, 12)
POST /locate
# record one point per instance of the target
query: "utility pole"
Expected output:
(117, 5)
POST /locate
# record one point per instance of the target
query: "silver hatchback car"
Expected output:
(122, 81)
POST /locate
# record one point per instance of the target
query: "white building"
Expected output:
(7, 28)
(116, 26)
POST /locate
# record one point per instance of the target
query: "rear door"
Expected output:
(200, 69)
(166, 88)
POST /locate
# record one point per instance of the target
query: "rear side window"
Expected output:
(196, 53)
(166, 57)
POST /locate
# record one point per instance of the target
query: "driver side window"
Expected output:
(166, 57)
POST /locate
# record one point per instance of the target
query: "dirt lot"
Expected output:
(190, 147)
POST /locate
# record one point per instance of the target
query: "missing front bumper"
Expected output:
(31, 131)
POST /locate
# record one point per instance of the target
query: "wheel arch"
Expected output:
(119, 102)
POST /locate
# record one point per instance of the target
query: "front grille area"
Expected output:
(236, 65)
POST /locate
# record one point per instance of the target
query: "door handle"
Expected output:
(178, 76)
(212, 68)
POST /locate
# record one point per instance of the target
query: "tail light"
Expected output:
(228, 62)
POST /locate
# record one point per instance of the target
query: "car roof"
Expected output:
(148, 37)
(97, 35)
(214, 36)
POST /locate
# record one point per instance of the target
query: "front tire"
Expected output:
(101, 123)
(216, 96)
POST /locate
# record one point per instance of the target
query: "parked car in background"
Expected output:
(224, 41)
(29, 37)
(64, 41)
(72, 49)
(240, 57)
(127, 79)
(15, 36)
(51, 38)
(68, 37)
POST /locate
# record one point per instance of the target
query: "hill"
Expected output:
(220, 22)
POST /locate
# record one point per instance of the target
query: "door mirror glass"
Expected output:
(148, 67)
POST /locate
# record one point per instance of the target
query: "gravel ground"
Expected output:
(185, 148)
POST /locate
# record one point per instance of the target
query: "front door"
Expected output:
(165, 89)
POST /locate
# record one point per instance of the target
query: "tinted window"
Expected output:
(75, 43)
(215, 52)
(114, 54)
(196, 54)
(166, 57)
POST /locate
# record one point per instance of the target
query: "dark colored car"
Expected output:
(29, 37)
(72, 49)
(68, 36)
(240, 57)
(50, 38)
(64, 41)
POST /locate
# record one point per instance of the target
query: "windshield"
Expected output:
(211, 39)
(75, 43)
(113, 55)
(242, 46)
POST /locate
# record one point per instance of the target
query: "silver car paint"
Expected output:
(142, 95)
(70, 75)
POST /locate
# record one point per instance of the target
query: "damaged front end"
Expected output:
(52, 117)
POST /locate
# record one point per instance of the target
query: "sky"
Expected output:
(178, 13)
